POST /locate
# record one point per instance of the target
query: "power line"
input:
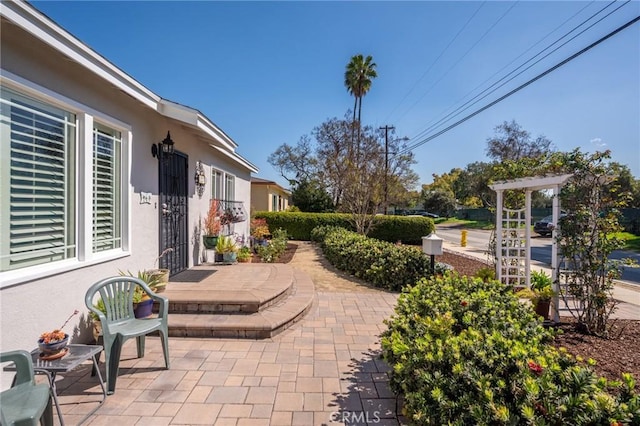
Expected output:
(447, 114)
(522, 86)
(459, 60)
(435, 61)
(469, 103)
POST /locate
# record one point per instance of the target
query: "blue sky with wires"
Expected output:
(269, 72)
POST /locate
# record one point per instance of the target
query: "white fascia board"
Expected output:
(34, 22)
(237, 158)
(532, 183)
(195, 118)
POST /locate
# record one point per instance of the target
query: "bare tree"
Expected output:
(512, 142)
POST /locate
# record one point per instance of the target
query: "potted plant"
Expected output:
(52, 344)
(160, 276)
(142, 303)
(244, 254)
(259, 232)
(540, 293)
(212, 226)
(227, 247)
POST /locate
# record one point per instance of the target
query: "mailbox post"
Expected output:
(432, 245)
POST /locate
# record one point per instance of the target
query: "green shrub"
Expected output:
(298, 225)
(378, 262)
(464, 352)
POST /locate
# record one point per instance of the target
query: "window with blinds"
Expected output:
(37, 182)
(216, 185)
(106, 189)
(230, 187)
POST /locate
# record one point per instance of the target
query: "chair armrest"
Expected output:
(163, 304)
(24, 367)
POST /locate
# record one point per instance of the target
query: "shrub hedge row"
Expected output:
(298, 225)
(380, 263)
(467, 352)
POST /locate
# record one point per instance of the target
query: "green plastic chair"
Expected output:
(25, 403)
(120, 324)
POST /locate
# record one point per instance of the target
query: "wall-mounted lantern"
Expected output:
(166, 146)
(200, 178)
(432, 245)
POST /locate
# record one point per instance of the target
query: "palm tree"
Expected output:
(357, 79)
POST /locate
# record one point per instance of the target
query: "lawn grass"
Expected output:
(632, 242)
(469, 224)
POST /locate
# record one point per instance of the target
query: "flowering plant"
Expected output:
(259, 228)
(212, 221)
(56, 335)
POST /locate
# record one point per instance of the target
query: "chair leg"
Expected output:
(140, 344)
(165, 347)
(47, 416)
(113, 364)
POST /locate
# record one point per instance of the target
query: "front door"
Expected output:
(174, 233)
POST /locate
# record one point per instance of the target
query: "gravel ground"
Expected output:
(613, 356)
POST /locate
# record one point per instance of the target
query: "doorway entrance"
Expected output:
(174, 233)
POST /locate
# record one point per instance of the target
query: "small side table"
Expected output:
(77, 355)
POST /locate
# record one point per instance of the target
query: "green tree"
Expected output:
(439, 202)
(593, 199)
(357, 79)
(310, 196)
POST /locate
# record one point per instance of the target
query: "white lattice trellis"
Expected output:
(513, 232)
(514, 259)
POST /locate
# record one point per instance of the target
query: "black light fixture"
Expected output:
(166, 146)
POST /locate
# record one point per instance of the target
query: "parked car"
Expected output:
(544, 227)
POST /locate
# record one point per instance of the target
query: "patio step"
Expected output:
(277, 304)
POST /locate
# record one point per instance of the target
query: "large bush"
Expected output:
(378, 262)
(466, 352)
(408, 230)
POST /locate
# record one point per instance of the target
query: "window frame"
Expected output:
(83, 191)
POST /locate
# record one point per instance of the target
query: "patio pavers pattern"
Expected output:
(324, 370)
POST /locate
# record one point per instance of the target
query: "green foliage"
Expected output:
(244, 253)
(226, 244)
(150, 277)
(540, 280)
(309, 196)
(409, 230)
(464, 352)
(380, 263)
(439, 202)
(486, 274)
(275, 248)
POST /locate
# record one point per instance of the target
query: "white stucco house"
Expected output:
(85, 190)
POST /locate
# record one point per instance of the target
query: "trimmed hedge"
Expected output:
(408, 230)
(378, 262)
(467, 352)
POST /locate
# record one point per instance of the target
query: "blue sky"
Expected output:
(269, 72)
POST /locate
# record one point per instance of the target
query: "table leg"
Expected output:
(102, 385)
(54, 392)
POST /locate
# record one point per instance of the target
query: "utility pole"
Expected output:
(386, 163)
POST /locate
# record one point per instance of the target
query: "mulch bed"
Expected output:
(285, 258)
(614, 356)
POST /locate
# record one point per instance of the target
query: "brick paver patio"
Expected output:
(324, 370)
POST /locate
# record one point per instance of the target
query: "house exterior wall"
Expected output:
(262, 196)
(38, 299)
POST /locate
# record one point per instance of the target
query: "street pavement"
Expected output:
(627, 293)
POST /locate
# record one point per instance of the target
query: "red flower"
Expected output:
(464, 303)
(535, 368)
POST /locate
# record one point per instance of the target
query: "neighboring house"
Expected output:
(267, 195)
(84, 189)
